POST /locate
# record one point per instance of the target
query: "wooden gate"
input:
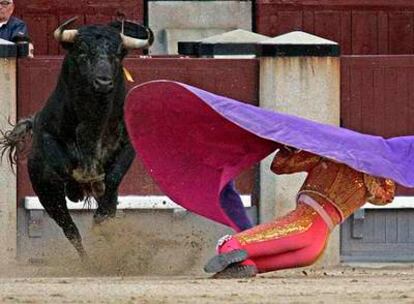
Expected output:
(378, 98)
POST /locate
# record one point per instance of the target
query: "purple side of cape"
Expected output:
(390, 158)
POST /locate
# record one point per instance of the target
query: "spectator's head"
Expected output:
(6, 9)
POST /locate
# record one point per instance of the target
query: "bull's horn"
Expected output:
(63, 35)
(135, 43)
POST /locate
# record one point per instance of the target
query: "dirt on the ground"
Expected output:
(139, 267)
(390, 284)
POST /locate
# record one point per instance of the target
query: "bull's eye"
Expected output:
(114, 58)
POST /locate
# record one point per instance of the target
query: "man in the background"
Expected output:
(11, 28)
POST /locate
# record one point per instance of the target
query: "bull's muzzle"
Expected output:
(103, 84)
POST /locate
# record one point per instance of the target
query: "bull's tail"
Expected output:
(15, 141)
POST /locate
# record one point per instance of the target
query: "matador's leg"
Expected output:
(294, 240)
(232, 205)
(330, 193)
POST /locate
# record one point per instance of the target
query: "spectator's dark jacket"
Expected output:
(13, 28)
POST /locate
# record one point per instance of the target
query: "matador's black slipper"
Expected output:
(236, 271)
(222, 261)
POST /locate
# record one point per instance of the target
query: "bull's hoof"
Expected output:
(237, 271)
(98, 219)
(222, 261)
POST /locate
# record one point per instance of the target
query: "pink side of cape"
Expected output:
(189, 149)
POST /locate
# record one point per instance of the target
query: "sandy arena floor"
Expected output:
(392, 284)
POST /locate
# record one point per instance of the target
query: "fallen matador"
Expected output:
(194, 143)
(331, 193)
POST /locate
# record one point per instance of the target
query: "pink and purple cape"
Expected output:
(194, 143)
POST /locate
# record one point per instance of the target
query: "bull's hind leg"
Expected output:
(51, 194)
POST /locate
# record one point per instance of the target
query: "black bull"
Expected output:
(80, 147)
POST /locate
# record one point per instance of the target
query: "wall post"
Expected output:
(8, 180)
(299, 75)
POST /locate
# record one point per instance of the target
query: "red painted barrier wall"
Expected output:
(234, 78)
(359, 26)
(43, 17)
(377, 96)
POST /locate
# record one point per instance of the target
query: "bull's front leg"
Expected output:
(107, 203)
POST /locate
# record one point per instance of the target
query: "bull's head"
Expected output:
(96, 52)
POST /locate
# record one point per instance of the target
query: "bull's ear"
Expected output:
(132, 29)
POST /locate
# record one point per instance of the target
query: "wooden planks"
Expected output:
(44, 16)
(386, 236)
(377, 96)
(360, 27)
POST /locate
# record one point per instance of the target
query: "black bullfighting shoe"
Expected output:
(222, 261)
(237, 271)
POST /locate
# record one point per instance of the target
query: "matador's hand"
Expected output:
(290, 160)
(381, 191)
